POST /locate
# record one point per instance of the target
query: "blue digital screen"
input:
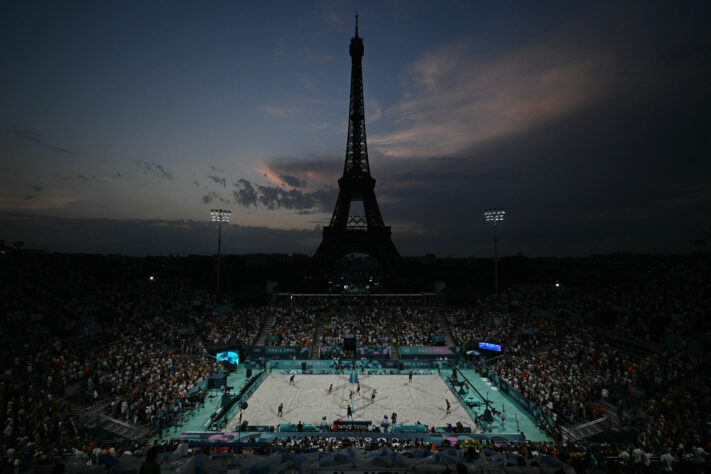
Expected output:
(229, 357)
(489, 346)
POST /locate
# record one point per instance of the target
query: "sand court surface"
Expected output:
(308, 400)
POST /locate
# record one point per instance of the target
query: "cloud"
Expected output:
(275, 111)
(453, 100)
(323, 171)
(196, 183)
(219, 180)
(36, 191)
(273, 197)
(34, 137)
(59, 149)
(595, 180)
(28, 135)
(153, 167)
(213, 196)
(373, 110)
(276, 197)
(106, 179)
(216, 169)
(25, 197)
(150, 237)
(292, 181)
(320, 125)
(299, 105)
(245, 195)
(209, 197)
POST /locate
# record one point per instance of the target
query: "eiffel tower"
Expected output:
(356, 234)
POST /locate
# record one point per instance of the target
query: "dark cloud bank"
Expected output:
(604, 180)
(245, 193)
(148, 237)
(628, 173)
(151, 167)
(37, 138)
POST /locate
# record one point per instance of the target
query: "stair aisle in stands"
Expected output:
(318, 337)
(265, 330)
(446, 332)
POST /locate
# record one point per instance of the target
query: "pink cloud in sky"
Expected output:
(453, 100)
(313, 173)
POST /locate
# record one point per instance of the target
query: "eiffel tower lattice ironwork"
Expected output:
(356, 234)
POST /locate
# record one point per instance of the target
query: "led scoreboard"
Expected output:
(229, 357)
(489, 346)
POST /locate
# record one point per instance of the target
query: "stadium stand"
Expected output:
(85, 356)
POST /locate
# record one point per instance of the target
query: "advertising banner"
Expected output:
(262, 437)
(430, 352)
(279, 352)
(362, 352)
(518, 397)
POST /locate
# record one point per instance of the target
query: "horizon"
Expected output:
(13, 246)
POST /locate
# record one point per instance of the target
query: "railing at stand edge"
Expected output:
(532, 408)
(137, 432)
(156, 423)
(459, 396)
(572, 433)
(492, 359)
(224, 419)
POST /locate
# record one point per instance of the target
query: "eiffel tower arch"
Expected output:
(348, 233)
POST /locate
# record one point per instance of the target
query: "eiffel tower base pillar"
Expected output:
(337, 243)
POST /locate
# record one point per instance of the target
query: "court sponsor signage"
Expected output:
(261, 439)
(232, 437)
(258, 428)
(374, 352)
(410, 352)
(426, 364)
(281, 352)
(519, 398)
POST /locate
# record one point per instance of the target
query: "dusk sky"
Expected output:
(123, 123)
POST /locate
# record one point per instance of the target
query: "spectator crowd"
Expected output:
(137, 347)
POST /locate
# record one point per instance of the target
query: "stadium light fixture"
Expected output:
(495, 216)
(220, 216)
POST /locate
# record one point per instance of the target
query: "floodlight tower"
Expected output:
(495, 215)
(219, 216)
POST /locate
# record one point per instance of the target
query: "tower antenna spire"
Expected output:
(356, 23)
